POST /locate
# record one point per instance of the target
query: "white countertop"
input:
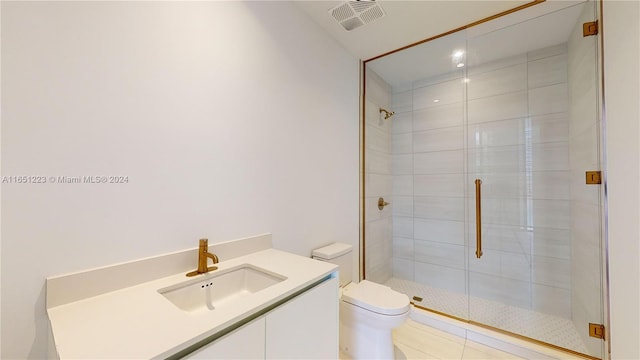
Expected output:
(137, 322)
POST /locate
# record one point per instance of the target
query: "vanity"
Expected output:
(260, 303)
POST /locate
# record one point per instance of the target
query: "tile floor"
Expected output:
(544, 327)
(417, 341)
(414, 341)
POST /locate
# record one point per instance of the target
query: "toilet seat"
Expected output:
(376, 298)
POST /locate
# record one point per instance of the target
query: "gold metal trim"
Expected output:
(597, 331)
(382, 203)
(509, 333)
(439, 313)
(478, 22)
(593, 177)
(387, 113)
(590, 28)
(478, 219)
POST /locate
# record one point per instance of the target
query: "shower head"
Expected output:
(387, 113)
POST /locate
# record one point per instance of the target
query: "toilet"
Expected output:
(368, 311)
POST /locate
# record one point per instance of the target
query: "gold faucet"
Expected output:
(203, 258)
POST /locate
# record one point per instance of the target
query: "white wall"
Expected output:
(621, 30)
(229, 119)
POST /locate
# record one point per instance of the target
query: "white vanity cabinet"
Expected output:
(305, 327)
(246, 342)
(261, 303)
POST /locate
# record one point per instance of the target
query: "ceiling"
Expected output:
(405, 22)
(410, 21)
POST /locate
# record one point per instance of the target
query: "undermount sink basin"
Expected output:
(220, 287)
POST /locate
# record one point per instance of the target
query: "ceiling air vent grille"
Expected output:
(360, 6)
(342, 12)
(372, 14)
(353, 14)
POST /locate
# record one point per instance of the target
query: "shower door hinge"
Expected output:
(590, 28)
(593, 177)
(596, 331)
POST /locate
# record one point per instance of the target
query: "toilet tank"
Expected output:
(339, 254)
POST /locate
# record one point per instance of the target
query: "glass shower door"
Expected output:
(502, 119)
(421, 163)
(532, 132)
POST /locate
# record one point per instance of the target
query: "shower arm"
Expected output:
(387, 113)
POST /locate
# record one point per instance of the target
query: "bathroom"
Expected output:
(226, 123)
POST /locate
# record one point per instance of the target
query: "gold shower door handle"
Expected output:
(478, 219)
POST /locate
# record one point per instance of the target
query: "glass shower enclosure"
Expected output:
(476, 151)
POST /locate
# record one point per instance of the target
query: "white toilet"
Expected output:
(368, 311)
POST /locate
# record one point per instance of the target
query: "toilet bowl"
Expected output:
(368, 311)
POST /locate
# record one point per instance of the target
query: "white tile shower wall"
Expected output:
(504, 290)
(510, 265)
(443, 277)
(439, 162)
(520, 150)
(441, 254)
(439, 208)
(499, 107)
(439, 94)
(585, 205)
(429, 242)
(403, 268)
(497, 82)
(403, 206)
(444, 231)
(518, 143)
(402, 128)
(403, 248)
(380, 162)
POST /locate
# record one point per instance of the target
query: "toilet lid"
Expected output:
(375, 297)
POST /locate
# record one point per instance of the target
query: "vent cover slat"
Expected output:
(342, 12)
(360, 6)
(352, 23)
(372, 14)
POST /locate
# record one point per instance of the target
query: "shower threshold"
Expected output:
(448, 311)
